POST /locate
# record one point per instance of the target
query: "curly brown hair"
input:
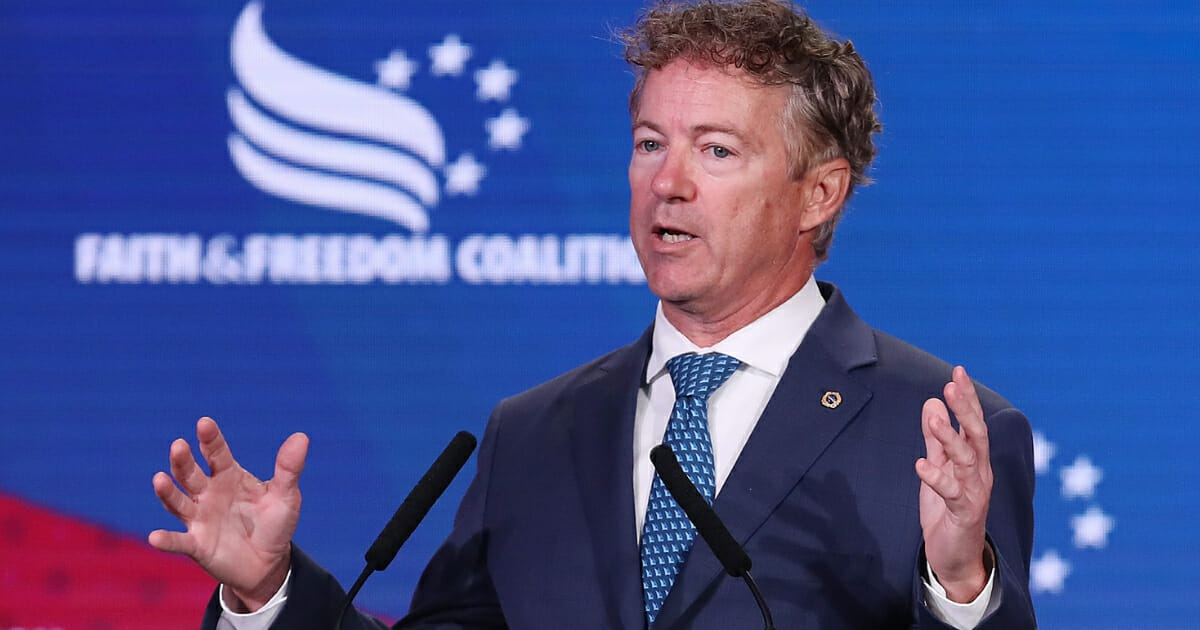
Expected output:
(831, 104)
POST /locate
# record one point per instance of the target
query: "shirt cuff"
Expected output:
(958, 616)
(260, 619)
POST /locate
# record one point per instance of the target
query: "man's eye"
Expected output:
(649, 145)
(720, 152)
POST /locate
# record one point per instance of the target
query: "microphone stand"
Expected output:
(710, 527)
(410, 513)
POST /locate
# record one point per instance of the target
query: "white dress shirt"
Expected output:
(764, 348)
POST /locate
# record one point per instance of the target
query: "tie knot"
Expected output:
(699, 375)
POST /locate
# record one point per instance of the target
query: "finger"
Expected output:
(179, 505)
(964, 401)
(172, 542)
(951, 442)
(185, 469)
(934, 414)
(289, 463)
(945, 485)
(213, 446)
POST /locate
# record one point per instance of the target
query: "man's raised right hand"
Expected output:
(239, 529)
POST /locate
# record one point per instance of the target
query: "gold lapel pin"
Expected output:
(831, 399)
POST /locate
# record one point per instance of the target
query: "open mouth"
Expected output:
(673, 236)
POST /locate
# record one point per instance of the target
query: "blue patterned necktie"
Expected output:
(667, 534)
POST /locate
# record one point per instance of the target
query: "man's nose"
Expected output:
(674, 180)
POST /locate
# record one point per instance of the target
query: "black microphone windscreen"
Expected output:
(418, 502)
(708, 524)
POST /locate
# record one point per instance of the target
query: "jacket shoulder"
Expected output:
(622, 368)
(903, 366)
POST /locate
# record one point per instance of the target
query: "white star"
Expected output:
(1092, 528)
(1047, 574)
(1043, 452)
(494, 81)
(449, 56)
(463, 175)
(1080, 478)
(505, 131)
(396, 71)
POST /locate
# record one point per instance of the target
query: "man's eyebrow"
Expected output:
(703, 129)
(698, 130)
(641, 122)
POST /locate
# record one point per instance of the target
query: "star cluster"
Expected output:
(1090, 529)
(493, 83)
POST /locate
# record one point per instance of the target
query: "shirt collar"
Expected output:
(765, 344)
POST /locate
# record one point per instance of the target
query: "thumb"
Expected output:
(289, 463)
(173, 542)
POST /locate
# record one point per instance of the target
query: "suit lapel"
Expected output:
(795, 428)
(601, 438)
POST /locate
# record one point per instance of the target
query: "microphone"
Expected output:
(410, 513)
(710, 526)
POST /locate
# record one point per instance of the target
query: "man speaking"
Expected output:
(873, 485)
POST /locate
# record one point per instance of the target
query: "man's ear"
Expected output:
(824, 187)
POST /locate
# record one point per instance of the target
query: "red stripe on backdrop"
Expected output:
(58, 572)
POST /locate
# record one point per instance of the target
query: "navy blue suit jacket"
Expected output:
(824, 500)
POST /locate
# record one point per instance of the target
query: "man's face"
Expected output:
(717, 223)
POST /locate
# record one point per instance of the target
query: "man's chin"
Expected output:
(673, 290)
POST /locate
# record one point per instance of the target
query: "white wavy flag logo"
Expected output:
(380, 163)
(307, 135)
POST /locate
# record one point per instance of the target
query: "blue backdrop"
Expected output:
(371, 220)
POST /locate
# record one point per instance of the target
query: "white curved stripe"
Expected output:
(328, 191)
(346, 156)
(302, 92)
